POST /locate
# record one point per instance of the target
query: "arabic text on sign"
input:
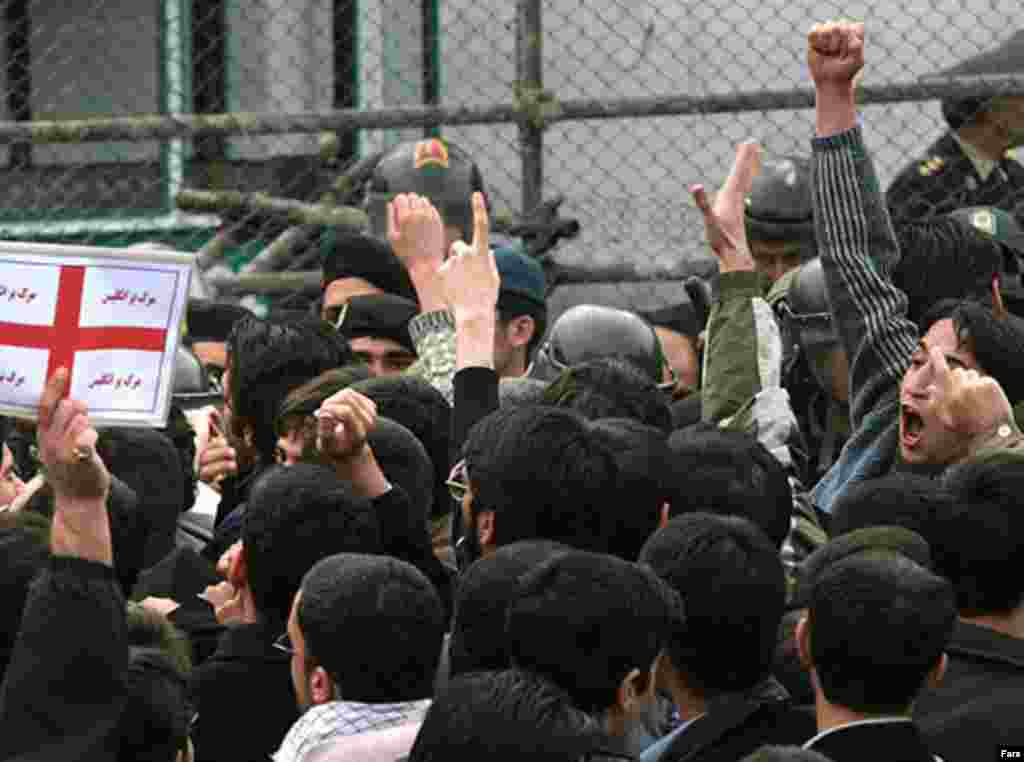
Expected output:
(18, 294)
(130, 297)
(131, 381)
(12, 379)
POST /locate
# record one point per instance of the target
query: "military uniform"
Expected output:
(952, 175)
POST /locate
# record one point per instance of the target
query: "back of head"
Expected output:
(24, 551)
(523, 291)
(731, 582)
(611, 387)
(296, 516)
(375, 624)
(589, 332)
(505, 717)
(586, 620)
(980, 546)
(352, 255)
(878, 624)
(148, 462)
(785, 754)
(486, 588)
(944, 258)
(645, 485)
(267, 360)
(908, 500)
(731, 473)
(405, 462)
(895, 539)
(423, 410)
(543, 474)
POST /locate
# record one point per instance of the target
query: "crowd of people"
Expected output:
(422, 524)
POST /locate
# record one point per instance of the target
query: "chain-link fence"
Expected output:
(614, 105)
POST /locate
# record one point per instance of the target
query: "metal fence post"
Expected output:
(529, 83)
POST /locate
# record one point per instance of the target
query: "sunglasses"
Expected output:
(458, 481)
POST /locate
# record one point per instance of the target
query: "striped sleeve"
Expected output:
(858, 250)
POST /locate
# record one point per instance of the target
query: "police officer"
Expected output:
(780, 225)
(973, 163)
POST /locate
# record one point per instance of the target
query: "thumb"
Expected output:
(745, 168)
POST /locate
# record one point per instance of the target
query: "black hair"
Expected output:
(785, 754)
(505, 717)
(645, 483)
(423, 410)
(375, 624)
(731, 473)
(295, 516)
(586, 620)
(267, 360)
(155, 723)
(543, 473)
(732, 584)
(878, 624)
(478, 641)
(611, 387)
(980, 546)
(179, 430)
(942, 258)
(129, 528)
(900, 498)
(148, 462)
(997, 343)
(24, 551)
(355, 255)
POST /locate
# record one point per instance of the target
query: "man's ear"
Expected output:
(485, 528)
(663, 521)
(635, 689)
(803, 643)
(520, 330)
(321, 688)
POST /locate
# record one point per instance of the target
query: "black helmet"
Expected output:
(588, 332)
(779, 205)
(434, 168)
(192, 387)
(807, 325)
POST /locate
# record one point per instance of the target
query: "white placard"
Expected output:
(28, 293)
(112, 316)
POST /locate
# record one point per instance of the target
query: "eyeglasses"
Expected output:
(284, 643)
(458, 482)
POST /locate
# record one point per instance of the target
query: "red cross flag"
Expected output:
(110, 316)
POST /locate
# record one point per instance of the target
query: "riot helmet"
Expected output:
(432, 167)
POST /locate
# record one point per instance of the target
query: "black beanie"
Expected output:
(381, 316)
(361, 256)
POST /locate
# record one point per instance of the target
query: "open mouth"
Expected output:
(911, 425)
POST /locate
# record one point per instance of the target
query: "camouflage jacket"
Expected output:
(433, 333)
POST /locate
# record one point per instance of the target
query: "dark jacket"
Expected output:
(244, 697)
(64, 690)
(946, 179)
(876, 741)
(737, 725)
(981, 698)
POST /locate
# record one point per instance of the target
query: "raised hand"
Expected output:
(416, 231)
(344, 420)
(67, 444)
(470, 275)
(965, 401)
(723, 221)
(835, 53)
(217, 458)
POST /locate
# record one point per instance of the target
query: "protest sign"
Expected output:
(110, 316)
